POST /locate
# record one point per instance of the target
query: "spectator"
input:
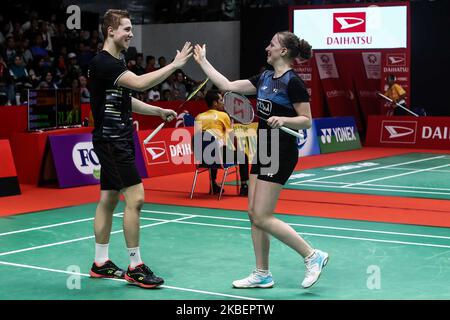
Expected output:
(75, 84)
(6, 84)
(230, 10)
(154, 95)
(168, 84)
(73, 70)
(86, 56)
(46, 36)
(84, 91)
(48, 82)
(179, 92)
(20, 74)
(50, 79)
(151, 61)
(38, 48)
(10, 51)
(25, 51)
(136, 65)
(166, 95)
(31, 28)
(397, 94)
(60, 38)
(161, 62)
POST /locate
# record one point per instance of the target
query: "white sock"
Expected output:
(135, 257)
(311, 255)
(262, 272)
(101, 253)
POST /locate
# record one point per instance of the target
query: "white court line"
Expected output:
(309, 226)
(313, 234)
(412, 169)
(377, 189)
(123, 280)
(187, 216)
(394, 176)
(52, 225)
(83, 238)
(366, 170)
(385, 185)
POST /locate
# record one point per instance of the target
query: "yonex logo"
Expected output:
(326, 135)
(349, 22)
(396, 60)
(302, 141)
(398, 131)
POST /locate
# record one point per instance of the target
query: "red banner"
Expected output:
(410, 132)
(338, 86)
(304, 70)
(169, 152)
(366, 76)
(7, 168)
(9, 184)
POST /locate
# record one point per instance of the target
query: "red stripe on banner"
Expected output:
(337, 85)
(7, 168)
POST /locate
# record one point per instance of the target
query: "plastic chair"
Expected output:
(205, 161)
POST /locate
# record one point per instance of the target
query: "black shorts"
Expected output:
(118, 167)
(288, 158)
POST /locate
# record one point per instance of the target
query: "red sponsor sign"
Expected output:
(156, 152)
(398, 131)
(396, 60)
(169, 152)
(349, 22)
(410, 132)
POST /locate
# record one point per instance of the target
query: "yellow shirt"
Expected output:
(216, 122)
(395, 92)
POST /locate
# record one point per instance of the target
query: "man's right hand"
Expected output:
(182, 56)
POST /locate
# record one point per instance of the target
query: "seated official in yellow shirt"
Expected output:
(218, 123)
(397, 94)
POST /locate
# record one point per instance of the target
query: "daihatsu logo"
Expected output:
(397, 131)
(396, 60)
(349, 22)
(156, 152)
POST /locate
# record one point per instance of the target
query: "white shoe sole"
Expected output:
(267, 285)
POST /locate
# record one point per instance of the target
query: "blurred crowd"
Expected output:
(40, 54)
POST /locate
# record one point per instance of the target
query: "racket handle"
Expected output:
(292, 132)
(151, 135)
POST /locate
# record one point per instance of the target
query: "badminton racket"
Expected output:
(397, 104)
(240, 109)
(158, 128)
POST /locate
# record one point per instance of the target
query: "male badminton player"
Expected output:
(112, 106)
(282, 99)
